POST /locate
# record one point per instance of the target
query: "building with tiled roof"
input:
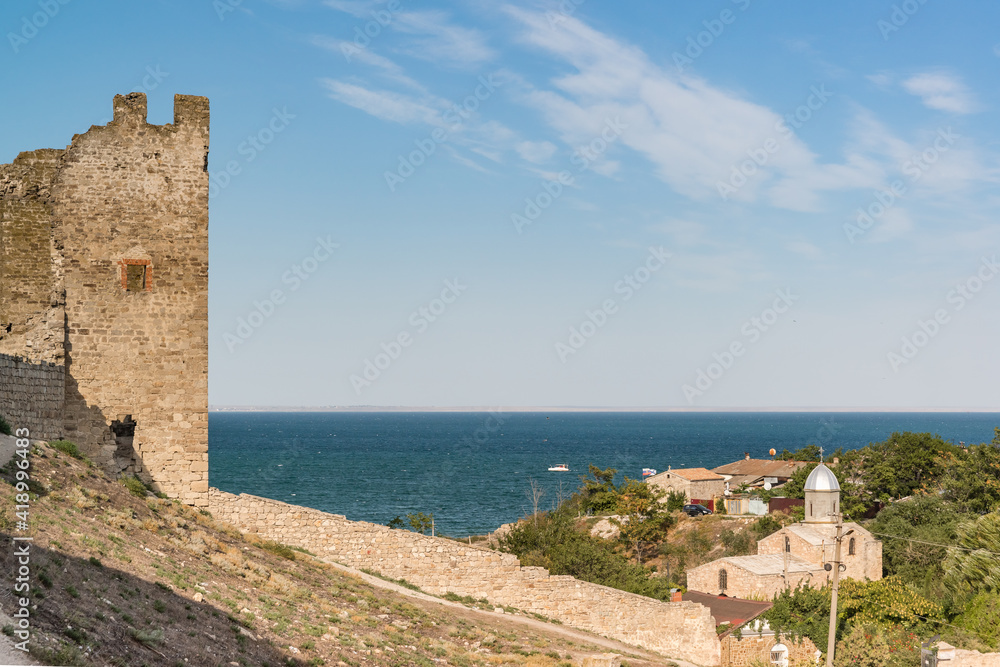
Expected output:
(754, 472)
(695, 483)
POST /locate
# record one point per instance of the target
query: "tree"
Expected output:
(396, 522)
(421, 522)
(676, 501)
(599, 495)
(877, 646)
(976, 565)
(642, 517)
(535, 493)
(927, 519)
(973, 477)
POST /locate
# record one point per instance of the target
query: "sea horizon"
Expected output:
(471, 468)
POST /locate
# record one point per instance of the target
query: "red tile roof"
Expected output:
(760, 468)
(723, 608)
(694, 474)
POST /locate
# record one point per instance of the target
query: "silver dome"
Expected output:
(822, 479)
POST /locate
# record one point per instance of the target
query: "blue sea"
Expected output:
(472, 470)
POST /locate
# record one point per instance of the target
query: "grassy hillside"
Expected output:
(120, 577)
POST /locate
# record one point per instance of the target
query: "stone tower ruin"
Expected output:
(104, 294)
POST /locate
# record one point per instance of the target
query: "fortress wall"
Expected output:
(134, 194)
(31, 396)
(682, 630)
(31, 316)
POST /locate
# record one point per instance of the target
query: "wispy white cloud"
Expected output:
(694, 133)
(941, 91)
(366, 56)
(442, 42)
(358, 8)
(384, 104)
(536, 152)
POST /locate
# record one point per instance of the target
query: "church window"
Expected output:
(850, 547)
(723, 580)
(788, 545)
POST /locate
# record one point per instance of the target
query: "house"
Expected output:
(754, 473)
(696, 484)
(796, 554)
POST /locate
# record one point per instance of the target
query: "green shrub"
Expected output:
(76, 634)
(68, 448)
(558, 546)
(278, 549)
(5, 426)
(148, 637)
(96, 562)
(135, 486)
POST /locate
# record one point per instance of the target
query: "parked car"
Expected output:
(696, 510)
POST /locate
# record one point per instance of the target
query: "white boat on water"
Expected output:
(560, 467)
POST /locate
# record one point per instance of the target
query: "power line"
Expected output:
(937, 544)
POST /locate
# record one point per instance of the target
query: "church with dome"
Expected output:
(796, 554)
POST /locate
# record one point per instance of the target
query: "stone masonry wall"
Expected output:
(678, 629)
(31, 396)
(754, 648)
(134, 193)
(31, 295)
(743, 584)
(865, 563)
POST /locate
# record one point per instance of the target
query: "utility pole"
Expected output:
(831, 641)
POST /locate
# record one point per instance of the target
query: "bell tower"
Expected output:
(822, 492)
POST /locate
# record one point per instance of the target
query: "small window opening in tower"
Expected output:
(135, 277)
(850, 547)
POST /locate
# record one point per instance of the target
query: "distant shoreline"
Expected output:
(480, 409)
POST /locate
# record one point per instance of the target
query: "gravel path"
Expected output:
(540, 626)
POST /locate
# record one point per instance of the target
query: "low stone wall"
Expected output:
(682, 630)
(949, 656)
(748, 649)
(32, 396)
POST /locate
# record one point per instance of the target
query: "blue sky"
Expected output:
(718, 204)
